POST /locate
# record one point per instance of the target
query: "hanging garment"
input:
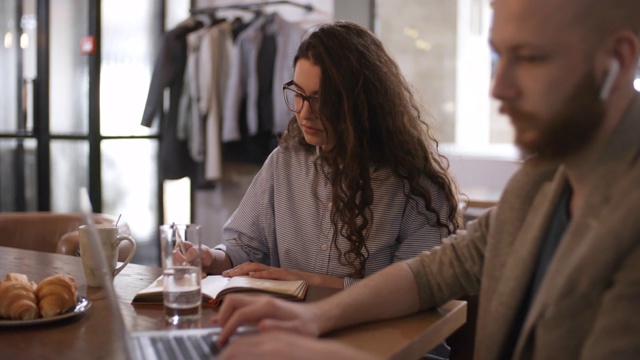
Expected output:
(266, 64)
(168, 72)
(208, 60)
(288, 37)
(190, 126)
(243, 77)
(217, 45)
(242, 81)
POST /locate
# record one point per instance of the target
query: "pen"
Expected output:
(179, 240)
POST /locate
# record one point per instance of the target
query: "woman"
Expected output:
(356, 183)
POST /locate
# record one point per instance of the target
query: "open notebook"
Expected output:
(160, 344)
(216, 287)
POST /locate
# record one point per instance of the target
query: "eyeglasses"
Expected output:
(295, 99)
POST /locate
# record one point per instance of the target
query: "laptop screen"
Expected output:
(158, 344)
(106, 276)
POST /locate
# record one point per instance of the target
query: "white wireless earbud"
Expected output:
(612, 74)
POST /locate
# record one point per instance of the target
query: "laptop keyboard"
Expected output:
(175, 345)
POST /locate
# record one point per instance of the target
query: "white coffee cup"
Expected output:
(110, 241)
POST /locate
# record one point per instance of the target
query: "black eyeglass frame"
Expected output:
(304, 98)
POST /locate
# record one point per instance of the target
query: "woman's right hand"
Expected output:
(187, 253)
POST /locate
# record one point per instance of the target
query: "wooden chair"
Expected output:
(51, 232)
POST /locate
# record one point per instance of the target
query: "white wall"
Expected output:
(482, 178)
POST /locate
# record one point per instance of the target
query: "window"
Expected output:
(442, 48)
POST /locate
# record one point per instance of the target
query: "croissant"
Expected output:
(17, 298)
(16, 277)
(56, 294)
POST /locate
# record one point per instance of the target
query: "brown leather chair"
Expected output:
(51, 232)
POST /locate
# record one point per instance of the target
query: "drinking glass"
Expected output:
(181, 263)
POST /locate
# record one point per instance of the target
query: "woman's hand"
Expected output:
(212, 261)
(261, 271)
(186, 253)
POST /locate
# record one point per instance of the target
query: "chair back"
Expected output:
(45, 231)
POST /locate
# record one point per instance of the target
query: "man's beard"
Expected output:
(569, 130)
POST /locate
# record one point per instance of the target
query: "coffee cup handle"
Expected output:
(120, 239)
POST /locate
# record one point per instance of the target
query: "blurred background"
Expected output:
(76, 76)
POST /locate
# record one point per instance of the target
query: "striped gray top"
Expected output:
(281, 223)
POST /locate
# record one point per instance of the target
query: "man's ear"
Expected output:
(612, 75)
(626, 49)
(622, 51)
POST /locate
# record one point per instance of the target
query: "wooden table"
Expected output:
(93, 335)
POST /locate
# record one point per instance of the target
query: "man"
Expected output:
(557, 263)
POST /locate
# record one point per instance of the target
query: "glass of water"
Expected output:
(180, 245)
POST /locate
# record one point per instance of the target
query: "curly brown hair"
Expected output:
(376, 121)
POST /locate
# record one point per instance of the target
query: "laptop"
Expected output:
(159, 344)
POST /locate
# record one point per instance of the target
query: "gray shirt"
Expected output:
(280, 222)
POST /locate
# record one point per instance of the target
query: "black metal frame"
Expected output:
(41, 104)
(95, 155)
(41, 107)
(18, 160)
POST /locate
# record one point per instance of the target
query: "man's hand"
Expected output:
(268, 313)
(282, 345)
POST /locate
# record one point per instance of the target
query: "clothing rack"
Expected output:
(250, 6)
